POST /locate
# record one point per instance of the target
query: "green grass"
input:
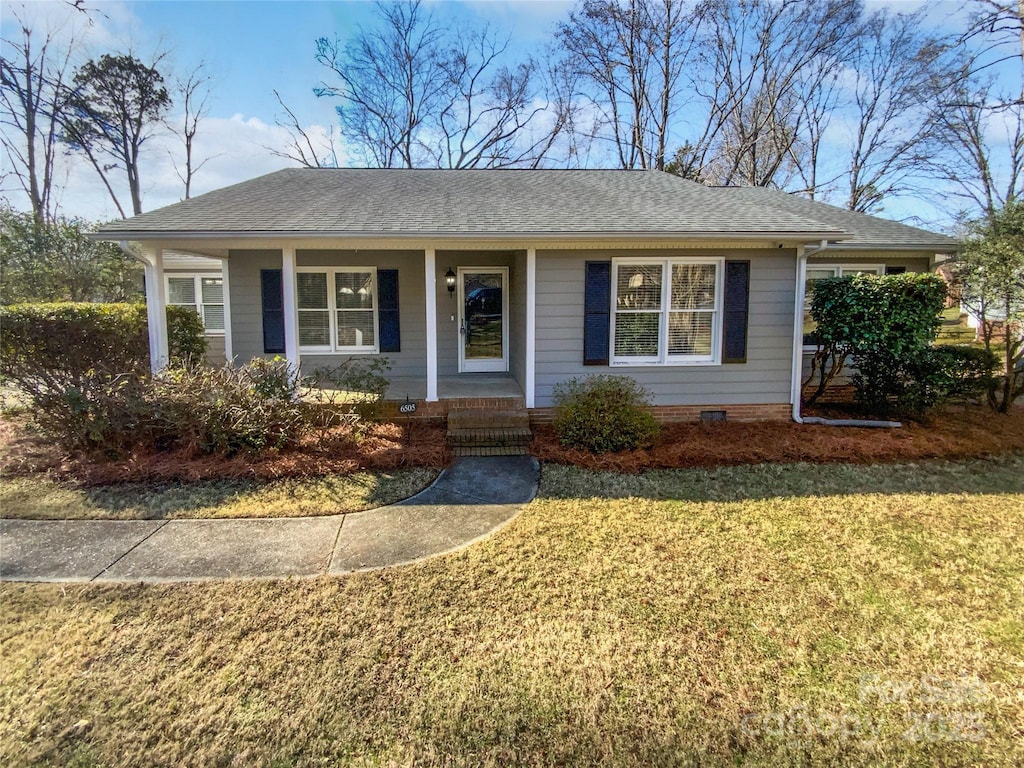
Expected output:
(759, 616)
(39, 498)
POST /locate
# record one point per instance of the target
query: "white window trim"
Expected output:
(837, 271)
(197, 278)
(332, 313)
(663, 358)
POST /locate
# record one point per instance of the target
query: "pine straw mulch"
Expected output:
(384, 447)
(957, 433)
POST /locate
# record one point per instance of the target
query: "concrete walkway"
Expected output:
(467, 502)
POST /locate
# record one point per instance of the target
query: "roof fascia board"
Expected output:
(789, 238)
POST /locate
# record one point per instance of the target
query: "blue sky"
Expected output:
(251, 47)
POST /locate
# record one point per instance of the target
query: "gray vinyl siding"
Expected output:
(517, 319)
(764, 378)
(247, 312)
(243, 270)
(410, 362)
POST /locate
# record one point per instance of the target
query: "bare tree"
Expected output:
(194, 92)
(895, 67)
(117, 103)
(997, 23)
(34, 70)
(760, 62)
(629, 57)
(303, 148)
(412, 93)
(968, 115)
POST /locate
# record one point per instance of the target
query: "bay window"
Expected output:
(337, 309)
(666, 311)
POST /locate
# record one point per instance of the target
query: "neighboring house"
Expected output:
(198, 282)
(490, 287)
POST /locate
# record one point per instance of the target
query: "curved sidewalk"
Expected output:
(467, 502)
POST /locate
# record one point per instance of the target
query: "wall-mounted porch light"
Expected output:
(449, 280)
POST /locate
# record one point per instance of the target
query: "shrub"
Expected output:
(917, 382)
(869, 317)
(603, 414)
(186, 337)
(226, 410)
(85, 367)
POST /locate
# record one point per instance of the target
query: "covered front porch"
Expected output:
(455, 323)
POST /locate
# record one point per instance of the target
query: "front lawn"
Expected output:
(38, 497)
(766, 615)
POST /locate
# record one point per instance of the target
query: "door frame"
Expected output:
(486, 366)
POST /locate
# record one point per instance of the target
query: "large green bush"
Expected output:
(884, 324)
(603, 414)
(85, 367)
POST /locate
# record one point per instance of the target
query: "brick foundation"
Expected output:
(668, 413)
(439, 410)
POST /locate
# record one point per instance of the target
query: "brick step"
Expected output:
(482, 418)
(491, 450)
(489, 437)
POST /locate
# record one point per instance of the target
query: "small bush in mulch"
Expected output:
(603, 414)
(953, 434)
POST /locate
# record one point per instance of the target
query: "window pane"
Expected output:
(354, 290)
(689, 333)
(312, 289)
(181, 290)
(213, 290)
(355, 328)
(638, 286)
(693, 286)
(213, 317)
(636, 334)
(314, 329)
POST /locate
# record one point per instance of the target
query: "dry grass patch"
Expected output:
(623, 625)
(42, 498)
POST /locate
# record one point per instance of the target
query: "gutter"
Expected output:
(798, 353)
(756, 235)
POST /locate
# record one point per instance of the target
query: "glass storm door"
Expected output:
(483, 319)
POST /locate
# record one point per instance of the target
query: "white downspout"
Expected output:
(796, 394)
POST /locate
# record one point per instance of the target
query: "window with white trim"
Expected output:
(666, 311)
(337, 309)
(817, 272)
(204, 293)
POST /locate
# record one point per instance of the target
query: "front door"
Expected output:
(483, 319)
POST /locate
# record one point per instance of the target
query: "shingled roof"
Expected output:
(868, 231)
(506, 203)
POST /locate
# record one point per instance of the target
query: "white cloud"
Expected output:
(238, 148)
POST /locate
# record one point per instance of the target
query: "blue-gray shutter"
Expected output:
(387, 307)
(597, 307)
(272, 294)
(737, 304)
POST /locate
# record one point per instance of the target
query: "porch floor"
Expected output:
(466, 386)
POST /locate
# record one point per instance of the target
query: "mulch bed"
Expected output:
(384, 447)
(957, 433)
(954, 434)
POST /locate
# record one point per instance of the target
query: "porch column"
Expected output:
(226, 287)
(290, 307)
(531, 326)
(156, 310)
(430, 286)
